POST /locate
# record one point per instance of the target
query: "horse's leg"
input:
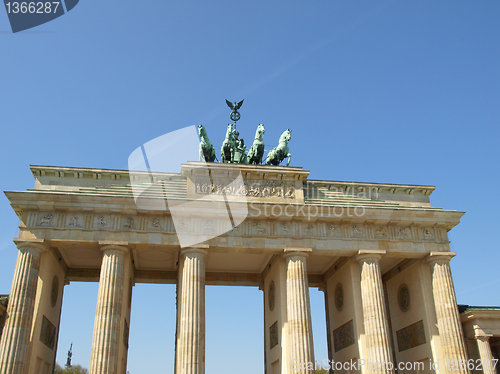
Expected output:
(250, 155)
(268, 158)
(289, 159)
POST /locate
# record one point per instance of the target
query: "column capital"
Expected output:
(37, 244)
(201, 249)
(109, 245)
(369, 254)
(300, 252)
(483, 337)
(434, 257)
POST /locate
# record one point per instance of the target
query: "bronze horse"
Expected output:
(277, 154)
(256, 152)
(228, 146)
(207, 150)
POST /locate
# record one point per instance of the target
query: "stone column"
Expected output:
(190, 349)
(378, 343)
(445, 303)
(485, 354)
(15, 343)
(300, 338)
(105, 343)
(328, 328)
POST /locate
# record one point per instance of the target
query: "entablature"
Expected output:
(259, 183)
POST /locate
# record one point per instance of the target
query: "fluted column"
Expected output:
(15, 343)
(378, 344)
(485, 354)
(105, 343)
(190, 350)
(328, 328)
(298, 307)
(445, 303)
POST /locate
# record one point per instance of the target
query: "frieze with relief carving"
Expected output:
(334, 230)
(259, 228)
(155, 223)
(100, 221)
(404, 233)
(285, 227)
(427, 233)
(309, 230)
(250, 188)
(381, 232)
(74, 221)
(129, 223)
(46, 219)
(208, 227)
(358, 231)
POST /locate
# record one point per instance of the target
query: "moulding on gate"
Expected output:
(440, 256)
(256, 172)
(293, 249)
(370, 254)
(35, 243)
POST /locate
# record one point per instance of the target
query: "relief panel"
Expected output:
(48, 333)
(273, 334)
(344, 336)
(411, 336)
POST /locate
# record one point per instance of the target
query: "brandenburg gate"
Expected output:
(379, 252)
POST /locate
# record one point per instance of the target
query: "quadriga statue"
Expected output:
(228, 146)
(207, 150)
(278, 154)
(256, 152)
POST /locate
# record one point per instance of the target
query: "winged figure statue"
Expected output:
(235, 106)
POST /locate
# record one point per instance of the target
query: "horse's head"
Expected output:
(286, 136)
(201, 130)
(261, 129)
(229, 130)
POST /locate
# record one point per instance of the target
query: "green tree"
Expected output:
(75, 369)
(320, 371)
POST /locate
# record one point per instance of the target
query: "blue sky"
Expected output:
(374, 91)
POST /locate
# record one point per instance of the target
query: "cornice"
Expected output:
(392, 188)
(68, 201)
(475, 314)
(248, 171)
